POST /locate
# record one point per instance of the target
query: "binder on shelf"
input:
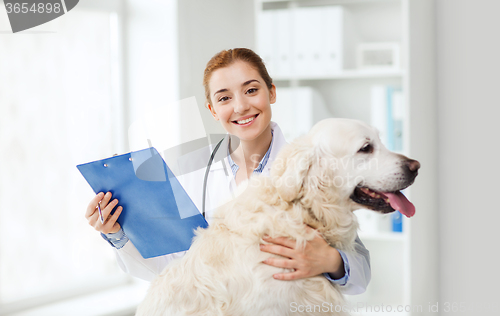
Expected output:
(308, 40)
(387, 115)
(397, 108)
(283, 39)
(320, 40)
(158, 216)
(305, 41)
(266, 40)
(397, 222)
(332, 54)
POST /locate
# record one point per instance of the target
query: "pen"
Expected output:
(100, 212)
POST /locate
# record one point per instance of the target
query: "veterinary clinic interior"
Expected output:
(423, 72)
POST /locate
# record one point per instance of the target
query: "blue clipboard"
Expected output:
(158, 216)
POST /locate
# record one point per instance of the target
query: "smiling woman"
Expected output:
(242, 104)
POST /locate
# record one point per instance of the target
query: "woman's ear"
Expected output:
(272, 94)
(291, 168)
(212, 110)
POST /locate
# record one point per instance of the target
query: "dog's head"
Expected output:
(343, 162)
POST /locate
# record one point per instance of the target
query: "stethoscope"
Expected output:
(206, 175)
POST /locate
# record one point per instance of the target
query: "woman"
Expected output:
(239, 93)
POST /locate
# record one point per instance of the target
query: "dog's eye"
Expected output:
(367, 149)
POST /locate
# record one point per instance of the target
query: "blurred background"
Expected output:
(425, 72)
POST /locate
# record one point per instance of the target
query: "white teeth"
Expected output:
(246, 121)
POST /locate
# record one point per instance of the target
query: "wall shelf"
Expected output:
(349, 74)
(325, 2)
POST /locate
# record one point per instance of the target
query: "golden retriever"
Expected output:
(318, 180)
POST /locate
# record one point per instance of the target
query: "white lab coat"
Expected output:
(221, 187)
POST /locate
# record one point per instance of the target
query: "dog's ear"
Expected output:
(290, 169)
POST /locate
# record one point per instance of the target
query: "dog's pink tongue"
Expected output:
(400, 202)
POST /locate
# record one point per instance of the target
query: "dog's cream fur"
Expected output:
(311, 183)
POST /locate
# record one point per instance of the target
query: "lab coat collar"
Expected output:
(221, 155)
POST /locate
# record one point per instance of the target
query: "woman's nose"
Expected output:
(241, 105)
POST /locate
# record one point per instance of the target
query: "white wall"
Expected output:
(423, 144)
(151, 79)
(468, 98)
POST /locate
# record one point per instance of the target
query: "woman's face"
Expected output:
(241, 100)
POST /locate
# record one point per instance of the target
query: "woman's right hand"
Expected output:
(110, 224)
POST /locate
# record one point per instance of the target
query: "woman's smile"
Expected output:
(246, 120)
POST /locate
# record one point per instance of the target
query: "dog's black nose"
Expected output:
(412, 165)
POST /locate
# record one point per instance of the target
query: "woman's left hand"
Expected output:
(316, 258)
